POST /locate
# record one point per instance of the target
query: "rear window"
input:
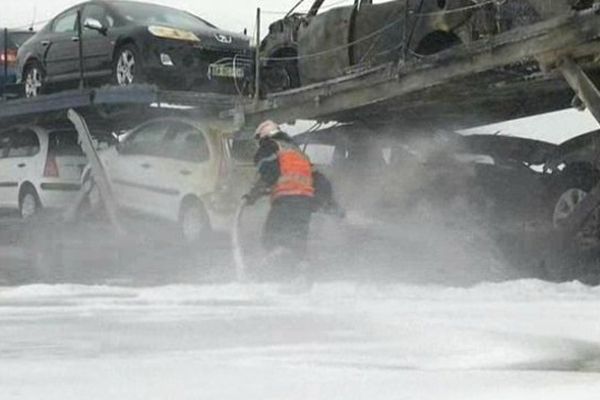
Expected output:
(64, 143)
(22, 143)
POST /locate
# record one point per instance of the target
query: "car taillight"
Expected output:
(51, 168)
(10, 56)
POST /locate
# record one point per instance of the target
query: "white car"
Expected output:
(179, 170)
(39, 167)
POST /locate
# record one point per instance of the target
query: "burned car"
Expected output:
(125, 42)
(510, 181)
(322, 44)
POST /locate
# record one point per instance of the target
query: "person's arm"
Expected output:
(267, 162)
(268, 170)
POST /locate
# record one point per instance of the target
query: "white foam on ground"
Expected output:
(515, 340)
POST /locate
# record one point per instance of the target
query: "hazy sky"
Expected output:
(235, 15)
(230, 14)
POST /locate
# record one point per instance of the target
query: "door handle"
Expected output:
(22, 165)
(45, 43)
(146, 166)
(185, 172)
(75, 39)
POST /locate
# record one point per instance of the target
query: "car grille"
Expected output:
(203, 58)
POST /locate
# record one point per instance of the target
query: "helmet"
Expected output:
(266, 129)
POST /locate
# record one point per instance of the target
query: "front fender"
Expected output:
(22, 61)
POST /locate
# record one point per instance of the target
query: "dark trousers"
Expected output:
(288, 224)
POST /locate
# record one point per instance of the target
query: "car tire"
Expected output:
(282, 75)
(193, 221)
(127, 66)
(33, 79)
(29, 203)
(569, 189)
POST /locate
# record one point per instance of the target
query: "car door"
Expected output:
(61, 57)
(97, 46)
(133, 171)
(19, 163)
(8, 183)
(186, 167)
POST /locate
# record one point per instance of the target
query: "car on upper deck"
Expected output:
(126, 42)
(335, 38)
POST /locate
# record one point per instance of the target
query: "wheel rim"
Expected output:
(28, 206)
(33, 82)
(566, 204)
(125, 68)
(192, 224)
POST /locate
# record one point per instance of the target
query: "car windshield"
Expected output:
(150, 14)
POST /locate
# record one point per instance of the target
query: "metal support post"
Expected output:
(5, 52)
(583, 86)
(98, 172)
(79, 39)
(257, 59)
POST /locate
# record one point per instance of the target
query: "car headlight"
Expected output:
(172, 33)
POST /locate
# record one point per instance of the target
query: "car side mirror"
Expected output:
(94, 25)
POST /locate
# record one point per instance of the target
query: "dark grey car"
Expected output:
(125, 42)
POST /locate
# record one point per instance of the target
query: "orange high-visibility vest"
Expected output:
(295, 169)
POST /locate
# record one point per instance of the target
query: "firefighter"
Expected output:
(285, 172)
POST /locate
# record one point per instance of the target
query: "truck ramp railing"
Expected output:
(544, 44)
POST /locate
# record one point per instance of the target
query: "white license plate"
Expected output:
(225, 71)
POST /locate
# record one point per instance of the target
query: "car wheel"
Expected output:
(570, 188)
(566, 204)
(282, 75)
(29, 203)
(573, 186)
(33, 79)
(193, 221)
(127, 66)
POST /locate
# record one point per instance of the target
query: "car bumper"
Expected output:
(190, 68)
(58, 194)
(7, 80)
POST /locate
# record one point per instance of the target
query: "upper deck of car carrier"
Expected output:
(525, 71)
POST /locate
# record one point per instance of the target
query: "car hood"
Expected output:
(220, 39)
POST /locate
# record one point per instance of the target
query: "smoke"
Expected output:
(414, 214)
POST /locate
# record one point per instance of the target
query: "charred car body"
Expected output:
(305, 48)
(126, 42)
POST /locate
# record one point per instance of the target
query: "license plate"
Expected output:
(225, 71)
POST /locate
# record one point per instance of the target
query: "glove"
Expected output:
(253, 195)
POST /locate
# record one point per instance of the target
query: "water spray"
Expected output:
(238, 252)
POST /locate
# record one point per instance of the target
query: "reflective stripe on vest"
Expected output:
(295, 173)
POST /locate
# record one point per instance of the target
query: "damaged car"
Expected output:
(126, 42)
(330, 42)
